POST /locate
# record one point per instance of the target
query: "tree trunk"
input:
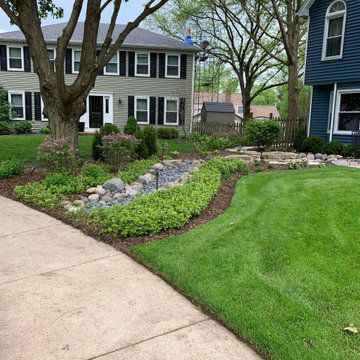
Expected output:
(293, 91)
(63, 118)
(246, 105)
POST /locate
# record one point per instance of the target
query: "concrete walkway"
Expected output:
(63, 295)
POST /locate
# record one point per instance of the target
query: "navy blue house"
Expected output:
(333, 67)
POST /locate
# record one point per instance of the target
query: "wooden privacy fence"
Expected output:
(288, 128)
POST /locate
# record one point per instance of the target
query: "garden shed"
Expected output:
(218, 112)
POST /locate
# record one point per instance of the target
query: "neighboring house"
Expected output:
(258, 111)
(150, 77)
(217, 112)
(333, 67)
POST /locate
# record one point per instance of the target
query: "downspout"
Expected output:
(310, 112)
(333, 113)
(192, 93)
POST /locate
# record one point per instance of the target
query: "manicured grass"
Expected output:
(180, 145)
(281, 266)
(24, 148)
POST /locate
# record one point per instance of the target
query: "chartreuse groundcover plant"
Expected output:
(57, 185)
(281, 266)
(171, 208)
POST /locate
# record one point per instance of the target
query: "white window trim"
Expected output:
(148, 55)
(8, 57)
(166, 66)
(52, 48)
(326, 31)
(331, 105)
(117, 66)
(148, 108)
(22, 93)
(338, 99)
(73, 61)
(165, 111)
(43, 118)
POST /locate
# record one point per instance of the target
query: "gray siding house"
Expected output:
(150, 77)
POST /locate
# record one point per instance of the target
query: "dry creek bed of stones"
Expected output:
(114, 191)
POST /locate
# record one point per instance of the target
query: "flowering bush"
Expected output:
(118, 148)
(58, 155)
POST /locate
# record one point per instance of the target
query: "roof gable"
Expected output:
(304, 10)
(138, 37)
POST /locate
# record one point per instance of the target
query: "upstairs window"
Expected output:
(77, 59)
(111, 67)
(16, 58)
(142, 67)
(51, 54)
(172, 66)
(334, 31)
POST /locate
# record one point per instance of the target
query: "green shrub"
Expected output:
(141, 150)
(23, 127)
(333, 148)
(168, 209)
(271, 166)
(194, 136)
(150, 140)
(262, 132)
(299, 138)
(46, 130)
(7, 112)
(131, 126)
(108, 129)
(259, 169)
(348, 151)
(8, 168)
(5, 128)
(298, 164)
(312, 144)
(97, 153)
(167, 133)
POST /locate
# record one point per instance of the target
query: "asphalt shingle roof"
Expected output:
(219, 107)
(138, 37)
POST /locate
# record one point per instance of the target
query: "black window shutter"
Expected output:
(182, 111)
(131, 104)
(3, 62)
(122, 63)
(153, 60)
(37, 101)
(27, 63)
(28, 106)
(183, 63)
(101, 72)
(161, 65)
(68, 61)
(131, 63)
(160, 111)
(152, 110)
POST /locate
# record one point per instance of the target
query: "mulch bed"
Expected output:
(216, 207)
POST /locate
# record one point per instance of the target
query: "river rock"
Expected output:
(318, 156)
(324, 157)
(142, 180)
(131, 192)
(120, 196)
(158, 166)
(100, 191)
(79, 202)
(149, 177)
(94, 197)
(114, 184)
(310, 157)
(91, 190)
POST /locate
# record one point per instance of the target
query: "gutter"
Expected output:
(333, 112)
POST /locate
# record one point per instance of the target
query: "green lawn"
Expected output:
(281, 266)
(25, 147)
(180, 145)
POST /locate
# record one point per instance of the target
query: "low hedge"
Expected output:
(171, 208)
(56, 185)
(167, 133)
(9, 168)
(5, 128)
(23, 127)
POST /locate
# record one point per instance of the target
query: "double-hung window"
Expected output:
(17, 100)
(173, 66)
(142, 109)
(112, 67)
(52, 55)
(142, 64)
(334, 31)
(16, 56)
(76, 61)
(348, 111)
(171, 111)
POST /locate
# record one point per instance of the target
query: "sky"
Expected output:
(129, 11)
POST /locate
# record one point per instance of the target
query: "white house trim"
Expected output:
(305, 9)
(310, 111)
(73, 61)
(22, 93)
(333, 114)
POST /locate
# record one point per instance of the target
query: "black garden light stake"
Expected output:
(163, 148)
(157, 179)
(261, 148)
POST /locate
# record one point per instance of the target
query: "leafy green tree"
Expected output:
(266, 97)
(7, 112)
(64, 103)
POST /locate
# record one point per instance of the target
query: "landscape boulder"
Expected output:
(310, 157)
(94, 197)
(100, 190)
(114, 184)
(318, 156)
